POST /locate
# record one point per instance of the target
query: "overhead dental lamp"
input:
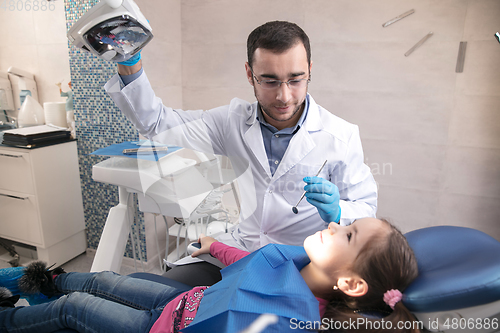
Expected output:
(114, 30)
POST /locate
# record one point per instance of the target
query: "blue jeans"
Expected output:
(94, 302)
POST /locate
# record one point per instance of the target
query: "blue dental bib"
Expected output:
(265, 281)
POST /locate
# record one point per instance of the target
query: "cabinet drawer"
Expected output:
(16, 171)
(19, 218)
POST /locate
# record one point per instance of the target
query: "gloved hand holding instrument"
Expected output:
(324, 195)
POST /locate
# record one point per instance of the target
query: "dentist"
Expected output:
(276, 145)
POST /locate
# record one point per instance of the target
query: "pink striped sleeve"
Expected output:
(226, 254)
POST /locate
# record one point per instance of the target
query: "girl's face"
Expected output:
(332, 249)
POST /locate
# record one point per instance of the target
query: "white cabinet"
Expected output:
(41, 200)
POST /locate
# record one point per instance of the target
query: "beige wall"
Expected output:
(35, 40)
(163, 57)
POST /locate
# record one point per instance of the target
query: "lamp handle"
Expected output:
(114, 3)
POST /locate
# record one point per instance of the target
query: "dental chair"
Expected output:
(458, 284)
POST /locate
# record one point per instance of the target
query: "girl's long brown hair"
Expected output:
(386, 262)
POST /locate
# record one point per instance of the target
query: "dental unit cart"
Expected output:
(41, 201)
(171, 186)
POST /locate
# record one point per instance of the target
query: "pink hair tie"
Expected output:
(391, 297)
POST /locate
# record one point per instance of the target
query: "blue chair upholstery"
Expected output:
(458, 268)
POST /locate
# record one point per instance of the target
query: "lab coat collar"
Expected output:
(254, 140)
(313, 121)
(252, 115)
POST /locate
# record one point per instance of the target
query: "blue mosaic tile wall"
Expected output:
(99, 124)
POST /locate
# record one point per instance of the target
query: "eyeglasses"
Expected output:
(275, 84)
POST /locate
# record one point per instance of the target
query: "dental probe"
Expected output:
(294, 209)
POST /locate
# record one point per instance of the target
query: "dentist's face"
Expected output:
(283, 106)
(337, 246)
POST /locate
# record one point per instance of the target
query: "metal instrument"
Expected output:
(294, 208)
(418, 44)
(397, 18)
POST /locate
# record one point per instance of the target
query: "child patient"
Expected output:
(341, 273)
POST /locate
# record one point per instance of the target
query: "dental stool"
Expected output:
(458, 286)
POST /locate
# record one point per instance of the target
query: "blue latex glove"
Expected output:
(132, 61)
(324, 195)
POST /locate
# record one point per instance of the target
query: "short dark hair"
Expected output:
(277, 36)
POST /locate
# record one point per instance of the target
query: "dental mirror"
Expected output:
(294, 208)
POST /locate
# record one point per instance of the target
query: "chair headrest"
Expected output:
(458, 268)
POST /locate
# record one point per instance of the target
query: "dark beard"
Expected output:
(293, 114)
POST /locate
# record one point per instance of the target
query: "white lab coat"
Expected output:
(266, 200)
